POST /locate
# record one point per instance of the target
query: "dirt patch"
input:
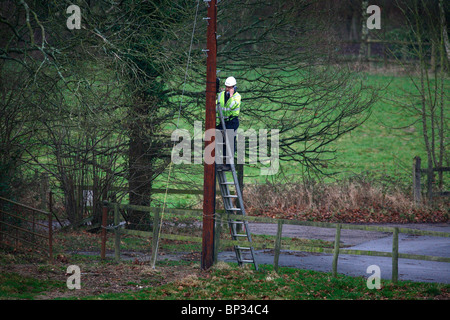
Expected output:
(103, 278)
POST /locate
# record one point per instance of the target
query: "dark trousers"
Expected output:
(233, 124)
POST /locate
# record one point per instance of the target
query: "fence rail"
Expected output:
(222, 217)
(417, 173)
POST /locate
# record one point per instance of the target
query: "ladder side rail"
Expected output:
(228, 203)
(224, 129)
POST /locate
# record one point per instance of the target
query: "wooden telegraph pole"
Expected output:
(209, 182)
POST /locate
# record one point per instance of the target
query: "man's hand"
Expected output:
(230, 90)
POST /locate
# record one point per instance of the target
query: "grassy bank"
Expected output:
(181, 281)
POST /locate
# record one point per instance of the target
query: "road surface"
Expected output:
(356, 265)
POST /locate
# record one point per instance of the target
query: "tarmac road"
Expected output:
(352, 265)
(356, 265)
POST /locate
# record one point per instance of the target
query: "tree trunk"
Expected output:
(70, 203)
(444, 29)
(363, 49)
(444, 55)
(140, 170)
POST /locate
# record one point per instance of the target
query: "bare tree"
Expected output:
(427, 102)
(106, 97)
(98, 95)
(290, 77)
(16, 130)
(149, 40)
(443, 25)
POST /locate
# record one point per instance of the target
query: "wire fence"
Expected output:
(188, 221)
(24, 226)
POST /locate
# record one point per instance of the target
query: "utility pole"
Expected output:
(209, 183)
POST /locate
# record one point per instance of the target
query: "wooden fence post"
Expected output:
(395, 255)
(44, 191)
(416, 180)
(430, 176)
(116, 233)
(50, 226)
(337, 241)
(155, 238)
(278, 245)
(104, 222)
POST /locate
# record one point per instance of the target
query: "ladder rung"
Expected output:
(239, 235)
(225, 191)
(247, 261)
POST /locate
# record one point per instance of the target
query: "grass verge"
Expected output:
(183, 280)
(14, 286)
(227, 281)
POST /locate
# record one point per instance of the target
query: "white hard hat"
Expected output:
(230, 82)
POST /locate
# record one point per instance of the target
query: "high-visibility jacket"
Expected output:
(230, 109)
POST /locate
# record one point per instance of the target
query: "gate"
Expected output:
(22, 226)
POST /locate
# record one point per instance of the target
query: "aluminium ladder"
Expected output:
(244, 253)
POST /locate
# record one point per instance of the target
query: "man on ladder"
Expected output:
(228, 105)
(229, 101)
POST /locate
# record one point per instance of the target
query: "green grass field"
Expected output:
(376, 145)
(375, 148)
(383, 147)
